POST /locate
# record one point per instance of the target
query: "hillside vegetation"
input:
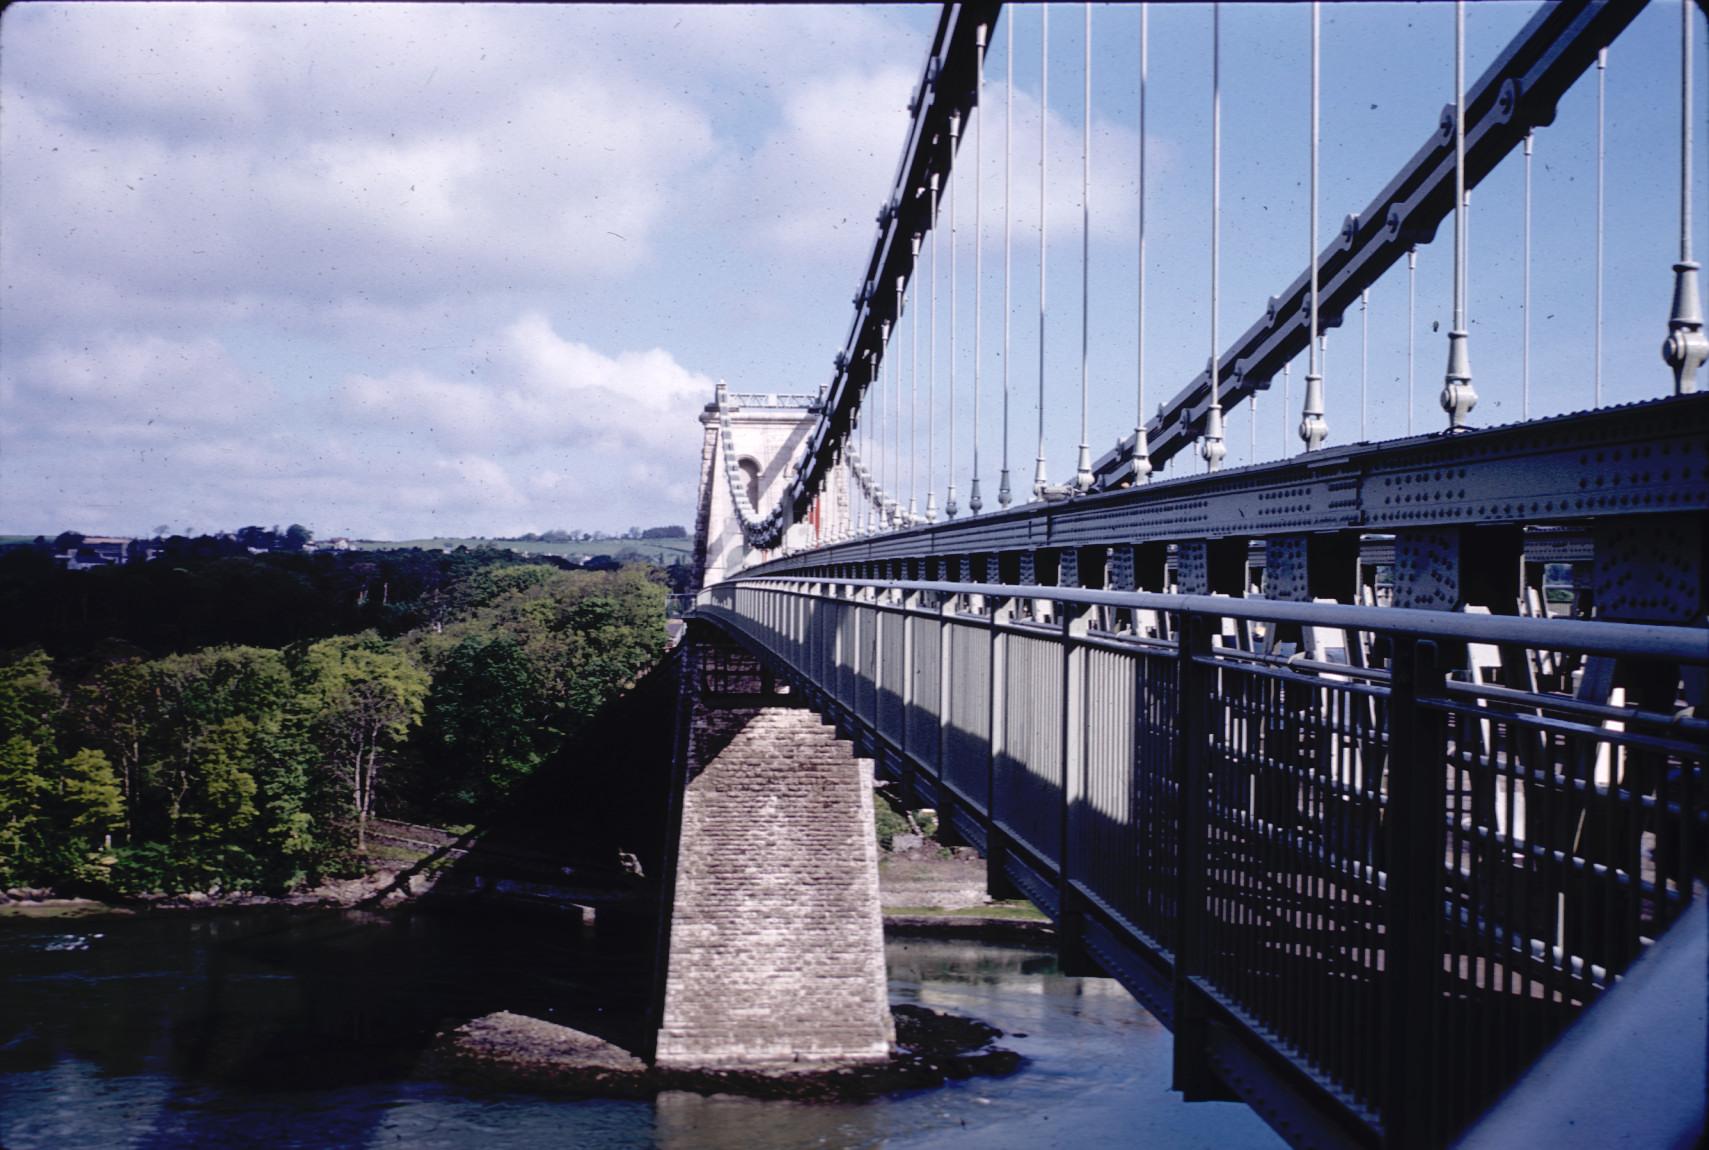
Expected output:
(234, 723)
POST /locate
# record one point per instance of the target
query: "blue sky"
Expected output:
(394, 271)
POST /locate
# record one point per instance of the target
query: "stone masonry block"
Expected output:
(777, 944)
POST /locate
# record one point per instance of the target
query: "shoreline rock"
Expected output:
(511, 1051)
(379, 888)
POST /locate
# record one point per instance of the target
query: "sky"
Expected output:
(394, 271)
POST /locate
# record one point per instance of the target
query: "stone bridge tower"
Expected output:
(767, 432)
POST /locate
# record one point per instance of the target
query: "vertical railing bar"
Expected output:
(1354, 764)
(1462, 952)
(1262, 907)
(1508, 1030)
(910, 603)
(1191, 1074)
(946, 664)
(1071, 754)
(1415, 926)
(996, 720)
(1262, 910)
(1498, 1058)
(1135, 787)
(1315, 916)
(1470, 966)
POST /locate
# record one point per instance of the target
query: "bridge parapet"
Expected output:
(1366, 877)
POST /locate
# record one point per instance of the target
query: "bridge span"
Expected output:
(1367, 768)
(1365, 893)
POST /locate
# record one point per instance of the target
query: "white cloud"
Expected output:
(573, 181)
(825, 169)
(1115, 173)
(121, 383)
(532, 387)
(381, 206)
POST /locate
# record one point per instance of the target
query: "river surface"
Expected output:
(292, 1028)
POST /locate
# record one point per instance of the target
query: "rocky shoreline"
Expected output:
(922, 894)
(381, 888)
(514, 1052)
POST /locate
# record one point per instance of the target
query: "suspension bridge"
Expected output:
(1370, 765)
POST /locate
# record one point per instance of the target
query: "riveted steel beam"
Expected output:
(1644, 459)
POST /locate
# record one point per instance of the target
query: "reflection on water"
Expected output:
(307, 1029)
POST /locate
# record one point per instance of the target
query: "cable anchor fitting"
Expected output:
(1140, 461)
(1459, 397)
(1213, 448)
(1686, 347)
(1314, 429)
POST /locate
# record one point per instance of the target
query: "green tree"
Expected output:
(366, 699)
(93, 804)
(30, 698)
(584, 637)
(482, 731)
(216, 696)
(113, 710)
(225, 780)
(296, 831)
(22, 791)
(223, 799)
(30, 703)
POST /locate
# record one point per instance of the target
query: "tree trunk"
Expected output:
(129, 762)
(356, 800)
(368, 793)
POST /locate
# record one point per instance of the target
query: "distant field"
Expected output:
(661, 551)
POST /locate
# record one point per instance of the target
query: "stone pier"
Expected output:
(776, 943)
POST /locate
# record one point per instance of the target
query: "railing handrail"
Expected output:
(1679, 644)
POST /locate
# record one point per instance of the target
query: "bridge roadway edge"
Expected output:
(1640, 459)
(1302, 1108)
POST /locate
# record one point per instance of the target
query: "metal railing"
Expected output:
(1364, 896)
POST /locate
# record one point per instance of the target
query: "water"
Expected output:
(307, 1029)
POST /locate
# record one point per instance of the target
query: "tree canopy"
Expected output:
(139, 763)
